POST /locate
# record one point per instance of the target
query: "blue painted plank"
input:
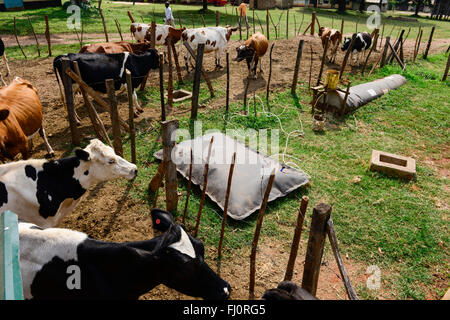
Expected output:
(10, 277)
(9, 4)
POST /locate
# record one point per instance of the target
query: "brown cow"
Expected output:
(116, 47)
(253, 50)
(333, 43)
(20, 119)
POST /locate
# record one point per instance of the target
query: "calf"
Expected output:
(362, 42)
(335, 38)
(214, 38)
(66, 264)
(20, 119)
(287, 290)
(142, 32)
(116, 47)
(95, 68)
(44, 192)
(253, 50)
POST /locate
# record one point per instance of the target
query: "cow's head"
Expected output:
(181, 261)
(104, 164)
(321, 29)
(244, 52)
(346, 43)
(230, 31)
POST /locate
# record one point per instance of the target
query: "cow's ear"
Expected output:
(4, 113)
(162, 220)
(82, 155)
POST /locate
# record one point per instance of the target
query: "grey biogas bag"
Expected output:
(251, 173)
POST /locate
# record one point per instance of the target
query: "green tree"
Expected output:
(341, 5)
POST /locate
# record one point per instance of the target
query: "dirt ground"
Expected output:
(109, 213)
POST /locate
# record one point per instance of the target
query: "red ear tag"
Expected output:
(158, 221)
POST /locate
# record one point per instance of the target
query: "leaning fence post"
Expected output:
(313, 22)
(103, 20)
(217, 18)
(17, 39)
(384, 54)
(161, 87)
(225, 207)
(270, 76)
(314, 252)
(425, 55)
(324, 57)
(334, 247)
(196, 85)
(168, 128)
(67, 83)
(446, 69)
(117, 134)
(296, 239)
(227, 103)
(297, 66)
(256, 235)
(131, 116)
(35, 37)
(344, 62)
(188, 191)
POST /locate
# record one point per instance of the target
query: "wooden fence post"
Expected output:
(67, 83)
(297, 66)
(131, 17)
(347, 53)
(370, 52)
(177, 64)
(324, 57)
(256, 235)
(425, 55)
(313, 22)
(418, 46)
(314, 252)
(446, 69)
(47, 36)
(103, 20)
(188, 191)
(131, 116)
(267, 25)
(270, 76)
(227, 103)
(196, 85)
(287, 24)
(168, 128)
(296, 240)
(217, 18)
(118, 28)
(117, 134)
(170, 77)
(383, 56)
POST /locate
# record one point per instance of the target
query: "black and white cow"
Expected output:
(44, 192)
(95, 68)
(362, 43)
(66, 264)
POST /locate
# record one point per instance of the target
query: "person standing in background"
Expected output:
(243, 13)
(169, 16)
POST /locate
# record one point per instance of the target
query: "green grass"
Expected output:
(190, 15)
(399, 218)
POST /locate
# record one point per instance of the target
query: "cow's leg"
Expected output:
(260, 66)
(50, 151)
(219, 54)
(249, 66)
(255, 65)
(165, 54)
(136, 103)
(357, 58)
(186, 58)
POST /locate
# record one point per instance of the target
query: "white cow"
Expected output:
(214, 38)
(44, 192)
(141, 32)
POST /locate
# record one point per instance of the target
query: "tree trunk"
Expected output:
(419, 3)
(205, 5)
(362, 6)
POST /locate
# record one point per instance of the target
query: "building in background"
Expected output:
(15, 5)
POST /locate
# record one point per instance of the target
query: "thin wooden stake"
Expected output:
(103, 20)
(35, 37)
(47, 36)
(67, 83)
(203, 20)
(118, 28)
(418, 45)
(270, 76)
(256, 235)
(444, 77)
(384, 54)
(131, 17)
(131, 117)
(217, 18)
(170, 77)
(161, 87)
(287, 24)
(225, 207)
(196, 85)
(267, 25)
(310, 67)
(188, 191)
(368, 56)
(227, 103)
(296, 240)
(334, 246)
(17, 39)
(117, 135)
(205, 185)
(313, 22)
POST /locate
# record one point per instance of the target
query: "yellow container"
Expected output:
(332, 79)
